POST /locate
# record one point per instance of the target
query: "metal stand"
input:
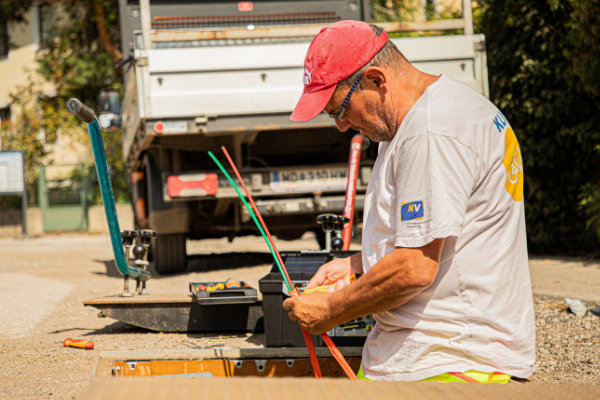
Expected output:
(140, 255)
(332, 223)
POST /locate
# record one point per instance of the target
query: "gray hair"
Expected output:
(388, 55)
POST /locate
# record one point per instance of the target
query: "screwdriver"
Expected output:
(82, 344)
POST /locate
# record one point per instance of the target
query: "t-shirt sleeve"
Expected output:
(434, 176)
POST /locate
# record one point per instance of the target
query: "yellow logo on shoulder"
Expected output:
(513, 163)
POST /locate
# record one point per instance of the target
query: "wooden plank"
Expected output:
(325, 389)
(145, 299)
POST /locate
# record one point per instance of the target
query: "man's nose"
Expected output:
(342, 125)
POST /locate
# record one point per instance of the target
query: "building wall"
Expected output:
(20, 61)
(17, 69)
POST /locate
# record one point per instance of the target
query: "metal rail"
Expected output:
(308, 31)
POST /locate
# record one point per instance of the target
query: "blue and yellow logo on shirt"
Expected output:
(412, 211)
(513, 163)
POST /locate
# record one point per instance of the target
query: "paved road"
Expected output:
(37, 274)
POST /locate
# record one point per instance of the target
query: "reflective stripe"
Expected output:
(469, 376)
(464, 377)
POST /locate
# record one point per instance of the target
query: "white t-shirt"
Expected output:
(453, 170)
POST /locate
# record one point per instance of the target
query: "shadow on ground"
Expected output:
(218, 261)
(202, 263)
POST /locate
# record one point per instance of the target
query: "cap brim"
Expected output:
(311, 104)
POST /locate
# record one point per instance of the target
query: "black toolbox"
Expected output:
(241, 293)
(280, 331)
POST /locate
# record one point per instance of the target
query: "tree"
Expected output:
(78, 59)
(549, 99)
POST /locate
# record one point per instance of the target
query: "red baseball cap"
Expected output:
(338, 51)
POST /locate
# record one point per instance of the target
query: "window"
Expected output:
(4, 115)
(3, 40)
(46, 22)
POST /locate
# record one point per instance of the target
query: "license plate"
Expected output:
(309, 179)
(175, 127)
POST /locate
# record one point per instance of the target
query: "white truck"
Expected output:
(206, 74)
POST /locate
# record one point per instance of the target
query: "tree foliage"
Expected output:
(77, 59)
(542, 74)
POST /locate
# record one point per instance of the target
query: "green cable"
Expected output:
(287, 284)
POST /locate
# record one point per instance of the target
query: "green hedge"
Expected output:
(543, 71)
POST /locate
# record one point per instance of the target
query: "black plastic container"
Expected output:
(280, 331)
(241, 294)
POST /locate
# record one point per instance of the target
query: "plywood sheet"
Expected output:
(326, 389)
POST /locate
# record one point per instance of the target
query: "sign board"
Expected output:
(12, 179)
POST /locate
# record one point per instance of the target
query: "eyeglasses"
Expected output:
(340, 112)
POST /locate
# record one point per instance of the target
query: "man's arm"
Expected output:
(393, 281)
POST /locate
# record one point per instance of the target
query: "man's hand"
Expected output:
(311, 311)
(336, 269)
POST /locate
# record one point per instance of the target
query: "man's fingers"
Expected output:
(317, 279)
(288, 304)
(292, 316)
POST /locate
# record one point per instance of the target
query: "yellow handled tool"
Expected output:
(82, 344)
(325, 287)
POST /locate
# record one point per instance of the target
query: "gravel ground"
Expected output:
(43, 282)
(568, 346)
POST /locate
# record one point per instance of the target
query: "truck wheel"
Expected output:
(168, 253)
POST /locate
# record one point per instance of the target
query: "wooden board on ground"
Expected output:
(326, 389)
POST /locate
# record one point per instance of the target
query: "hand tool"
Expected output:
(324, 288)
(81, 344)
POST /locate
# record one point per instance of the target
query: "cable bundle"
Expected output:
(262, 227)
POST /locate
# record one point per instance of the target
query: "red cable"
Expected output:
(255, 209)
(307, 338)
(335, 352)
(355, 147)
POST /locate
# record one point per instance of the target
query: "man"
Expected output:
(444, 253)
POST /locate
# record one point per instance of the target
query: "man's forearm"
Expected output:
(393, 281)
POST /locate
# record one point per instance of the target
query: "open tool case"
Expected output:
(210, 293)
(280, 331)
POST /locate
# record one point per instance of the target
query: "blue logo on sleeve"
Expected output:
(412, 211)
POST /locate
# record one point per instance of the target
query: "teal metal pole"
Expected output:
(87, 115)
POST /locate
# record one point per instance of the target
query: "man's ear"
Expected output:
(376, 76)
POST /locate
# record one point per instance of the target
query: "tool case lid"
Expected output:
(301, 267)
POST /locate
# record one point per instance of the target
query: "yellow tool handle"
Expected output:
(325, 287)
(81, 344)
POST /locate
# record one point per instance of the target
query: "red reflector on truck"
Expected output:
(192, 185)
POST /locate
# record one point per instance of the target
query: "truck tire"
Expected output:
(168, 254)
